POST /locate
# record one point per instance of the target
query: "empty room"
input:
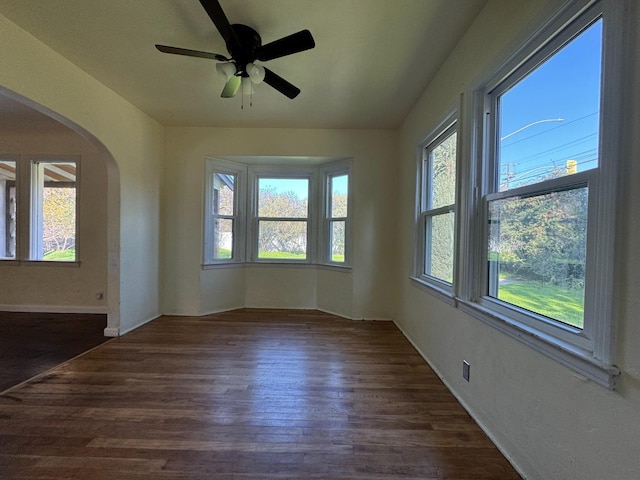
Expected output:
(338, 239)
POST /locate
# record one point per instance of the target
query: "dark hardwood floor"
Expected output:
(249, 394)
(32, 343)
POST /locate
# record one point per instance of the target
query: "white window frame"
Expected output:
(16, 161)
(590, 351)
(328, 172)
(424, 212)
(258, 172)
(246, 198)
(213, 167)
(37, 164)
(28, 232)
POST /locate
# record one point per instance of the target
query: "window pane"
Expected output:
(59, 211)
(549, 121)
(223, 188)
(223, 238)
(283, 239)
(7, 209)
(339, 196)
(442, 173)
(283, 197)
(440, 237)
(537, 248)
(337, 241)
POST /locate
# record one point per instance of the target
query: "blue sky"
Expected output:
(566, 87)
(301, 186)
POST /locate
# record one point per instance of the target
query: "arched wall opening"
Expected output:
(91, 284)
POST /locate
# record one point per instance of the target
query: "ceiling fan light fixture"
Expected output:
(247, 86)
(256, 73)
(244, 46)
(226, 69)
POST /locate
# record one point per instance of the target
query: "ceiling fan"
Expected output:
(245, 47)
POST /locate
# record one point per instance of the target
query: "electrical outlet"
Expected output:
(466, 367)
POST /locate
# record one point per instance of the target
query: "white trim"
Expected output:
(448, 126)
(255, 173)
(565, 353)
(212, 166)
(327, 172)
(111, 332)
(245, 238)
(54, 309)
(442, 292)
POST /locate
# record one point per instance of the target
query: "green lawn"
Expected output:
(563, 304)
(283, 255)
(68, 255)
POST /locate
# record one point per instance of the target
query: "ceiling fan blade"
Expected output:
(297, 42)
(191, 53)
(232, 87)
(219, 19)
(280, 84)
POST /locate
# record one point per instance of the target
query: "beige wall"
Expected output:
(130, 145)
(53, 287)
(366, 292)
(551, 422)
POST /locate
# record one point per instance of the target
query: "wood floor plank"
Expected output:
(247, 394)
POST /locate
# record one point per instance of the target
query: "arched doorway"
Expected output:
(89, 283)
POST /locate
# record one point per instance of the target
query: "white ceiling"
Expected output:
(372, 60)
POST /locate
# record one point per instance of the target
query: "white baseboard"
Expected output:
(54, 309)
(111, 332)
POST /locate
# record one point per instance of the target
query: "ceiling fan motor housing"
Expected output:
(245, 50)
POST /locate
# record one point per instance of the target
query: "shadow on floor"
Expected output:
(32, 343)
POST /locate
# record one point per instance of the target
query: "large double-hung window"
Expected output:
(533, 256)
(435, 255)
(282, 217)
(547, 198)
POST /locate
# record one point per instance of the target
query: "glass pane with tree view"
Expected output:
(283, 209)
(537, 253)
(339, 200)
(442, 173)
(58, 210)
(439, 263)
(440, 218)
(223, 209)
(282, 239)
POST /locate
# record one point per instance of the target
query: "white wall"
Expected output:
(366, 292)
(131, 146)
(552, 423)
(55, 287)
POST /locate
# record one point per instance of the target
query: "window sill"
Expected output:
(334, 267)
(216, 266)
(39, 263)
(579, 360)
(272, 264)
(437, 291)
